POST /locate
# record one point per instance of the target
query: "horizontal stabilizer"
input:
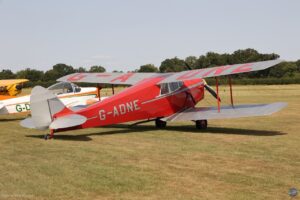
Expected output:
(79, 107)
(68, 121)
(226, 112)
(28, 123)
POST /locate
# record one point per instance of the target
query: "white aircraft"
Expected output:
(70, 94)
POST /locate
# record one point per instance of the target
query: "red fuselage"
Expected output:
(141, 102)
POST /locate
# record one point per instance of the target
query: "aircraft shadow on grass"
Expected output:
(124, 129)
(11, 120)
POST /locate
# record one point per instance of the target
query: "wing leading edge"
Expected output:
(227, 112)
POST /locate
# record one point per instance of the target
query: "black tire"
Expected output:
(160, 124)
(46, 137)
(201, 124)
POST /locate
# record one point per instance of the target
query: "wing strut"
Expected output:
(99, 91)
(113, 89)
(230, 86)
(218, 96)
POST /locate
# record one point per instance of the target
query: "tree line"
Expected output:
(283, 73)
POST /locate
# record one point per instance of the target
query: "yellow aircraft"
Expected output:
(10, 88)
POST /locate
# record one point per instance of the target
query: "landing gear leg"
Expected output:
(160, 124)
(201, 124)
(49, 136)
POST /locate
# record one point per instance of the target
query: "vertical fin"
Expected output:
(44, 105)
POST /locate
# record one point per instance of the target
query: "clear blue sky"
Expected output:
(124, 34)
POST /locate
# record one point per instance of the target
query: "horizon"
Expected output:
(157, 66)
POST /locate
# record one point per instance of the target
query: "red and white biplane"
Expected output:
(160, 97)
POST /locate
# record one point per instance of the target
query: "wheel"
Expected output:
(46, 136)
(160, 124)
(201, 124)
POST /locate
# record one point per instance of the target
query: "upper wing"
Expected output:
(220, 71)
(8, 82)
(133, 78)
(108, 78)
(226, 112)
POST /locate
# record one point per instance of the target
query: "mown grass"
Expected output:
(249, 158)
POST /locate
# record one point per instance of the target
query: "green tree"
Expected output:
(31, 74)
(298, 65)
(284, 69)
(172, 65)
(63, 69)
(80, 69)
(57, 71)
(7, 74)
(251, 55)
(216, 59)
(202, 62)
(97, 69)
(191, 61)
(212, 59)
(148, 68)
(51, 75)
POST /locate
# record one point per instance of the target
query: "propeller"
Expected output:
(206, 86)
(211, 91)
(188, 66)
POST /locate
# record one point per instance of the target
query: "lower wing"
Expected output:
(226, 112)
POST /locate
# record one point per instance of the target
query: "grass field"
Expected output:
(249, 158)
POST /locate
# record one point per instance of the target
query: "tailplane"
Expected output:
(44, 105)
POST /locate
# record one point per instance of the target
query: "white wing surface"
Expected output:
(226, 112)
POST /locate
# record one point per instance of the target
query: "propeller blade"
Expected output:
(188, 66)
(207, 87)
(211, 91)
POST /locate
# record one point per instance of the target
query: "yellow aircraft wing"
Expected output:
(10, 87)
(9, 82)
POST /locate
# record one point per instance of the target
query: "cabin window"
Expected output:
(166, 88)
(62, 88)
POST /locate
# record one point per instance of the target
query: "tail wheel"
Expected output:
(201, 124)
(160, 124)
(49, 136)
(46, 136)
